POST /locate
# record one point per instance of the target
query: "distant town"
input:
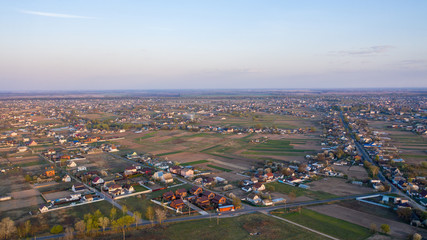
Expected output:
(312, 164)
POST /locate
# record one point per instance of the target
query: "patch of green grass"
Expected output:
(194, 162)
(139, 188)
(275, 153)
(136, 204)
(221, 156)
(33, 163)
(329, 225)
(220, 168)
(79, 211)
(148, 135)
(414, 156)
(169, 153)
(286, 189)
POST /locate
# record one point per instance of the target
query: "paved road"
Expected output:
(366, 156)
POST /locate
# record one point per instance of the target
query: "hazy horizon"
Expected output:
(110, 45)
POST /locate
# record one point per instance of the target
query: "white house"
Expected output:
(66, 178)
(71, 164)
(81, 168)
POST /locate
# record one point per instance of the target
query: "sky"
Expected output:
(221, 44)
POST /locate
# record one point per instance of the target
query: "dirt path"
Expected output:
(398, 229)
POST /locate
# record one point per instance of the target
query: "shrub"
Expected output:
(56, 229)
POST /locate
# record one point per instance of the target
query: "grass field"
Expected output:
(278, 148)
(227, 229)
(286, 189)
(148, 135)
(169, 153)
(194, 163)
(219, 168)
(326, 224)
(139, 188)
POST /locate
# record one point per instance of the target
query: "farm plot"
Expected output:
(329, 225)
(338, 186)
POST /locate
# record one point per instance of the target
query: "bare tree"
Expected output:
(69, 233)
(80, 227)
(160, 215)
(150, 214)
(104, 222)
(137, 217)
(27, 226)
(7, 228)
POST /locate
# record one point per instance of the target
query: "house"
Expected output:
(208, 181)
(113, 148)
(71, 164)
(132, 156)
(113, 187)
(202, 200)
(158, 175)
(177, 204)
(187, 172)
(147, 171)
(22, 149)
(195, 190)
(88, 197)
(97, 180)
(175, 169)
(66, 178)
(181, 193)
(81, 168)
(219, 200)
(51, 152)
(129, 188)
(269, 176)
(130, 171)
(253, 198)
(32, 143)
(168, 196)
(267, 202)
(226, 208)
(167, 178)
(43, 209)
(78, 187)
(247, 188)
(258, 187)
(209, 195)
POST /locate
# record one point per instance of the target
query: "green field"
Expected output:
(169, 153)
(194, 163)
(148, 135)
(219, 168)
(286, 189)
(226, 229)
(278, 148)
(326, 224)
(139, 188)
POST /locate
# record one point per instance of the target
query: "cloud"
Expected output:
(57, 15)
(374, 50)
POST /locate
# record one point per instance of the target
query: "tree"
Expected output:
(28, 178)
(69, 233)
(404, 214)
(80, 227)
(385, 228)
(137, 218)
(103, 222)
(292, 196)
(373, 228)
(123, 222)
(149, 214)
(113, 214)
(237, 202)
(374, 170)
(56, 229)
(124, 210)
(7, 228)
(27, 227)
(416, 236)
(160, 215)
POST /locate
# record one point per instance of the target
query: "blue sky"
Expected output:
(79, 45)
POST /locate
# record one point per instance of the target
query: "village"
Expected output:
(194, 159)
